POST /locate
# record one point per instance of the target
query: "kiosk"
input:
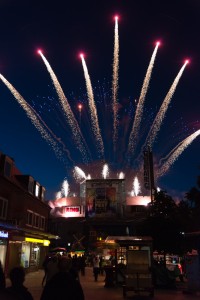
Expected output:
(134, 258)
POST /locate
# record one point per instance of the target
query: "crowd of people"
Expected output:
(61, 278)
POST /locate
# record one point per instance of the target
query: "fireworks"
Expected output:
(93, 110)
(35, 119)
(136, 187)
(160, 115)
(103, 132)
(105, 171)
(176, 152)
(115, 83)
(139, 110)
(78, 138)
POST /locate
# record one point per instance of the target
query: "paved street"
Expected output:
(97, 291)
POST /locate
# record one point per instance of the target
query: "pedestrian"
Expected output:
(75, 267)
(17, 290)
(96, 261)
(45, 262)
(82, 265)
(51, 267)
(63, 285)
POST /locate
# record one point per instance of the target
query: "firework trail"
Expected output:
(161, 114)
(93, 110)
(139, 110)
(77, 135)
(34, 117)
(115, 83)
(176, 152)
(64, 149)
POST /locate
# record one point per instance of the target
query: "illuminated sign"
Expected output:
(72, 209)
(32, 240)
(3, 234)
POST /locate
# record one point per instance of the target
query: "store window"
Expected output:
(25, 255)
(34, 255)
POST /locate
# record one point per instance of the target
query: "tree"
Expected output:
(162, 223)
(193, 201)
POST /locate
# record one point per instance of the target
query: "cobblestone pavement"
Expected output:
(96, 290)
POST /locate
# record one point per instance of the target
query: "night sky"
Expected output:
(63, 29)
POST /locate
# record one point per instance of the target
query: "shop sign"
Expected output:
(3, 234)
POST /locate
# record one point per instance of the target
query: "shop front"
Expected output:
(3, 246)
(27, 252)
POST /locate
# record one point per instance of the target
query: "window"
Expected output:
(42, 192)
(37, 190)
(42, 222)
(35, 220)
(29, 218)
(30, 185)
(3, 208)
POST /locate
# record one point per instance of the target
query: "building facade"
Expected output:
(24, 215)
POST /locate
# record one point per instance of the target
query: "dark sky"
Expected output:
(64, 28)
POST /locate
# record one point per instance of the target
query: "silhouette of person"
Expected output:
(45, 263)
(51, 267)
(17, 290)
(82, 265)
(63, 285)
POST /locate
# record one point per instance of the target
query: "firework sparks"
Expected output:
(121, 175)
(93, 110)
(79, 174)
(115, 82)
(59, 195)
(136, 187)
(33, 117)
(93, 119)
(161, 114)
(176, 152)
(105, 171)
(65, 188)
(77, 135)
(139, 110)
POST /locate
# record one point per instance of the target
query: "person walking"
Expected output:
(17, 290)
(45, 263)
(82, 265)
(96, 261)
(63, 285)
(51, 267)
